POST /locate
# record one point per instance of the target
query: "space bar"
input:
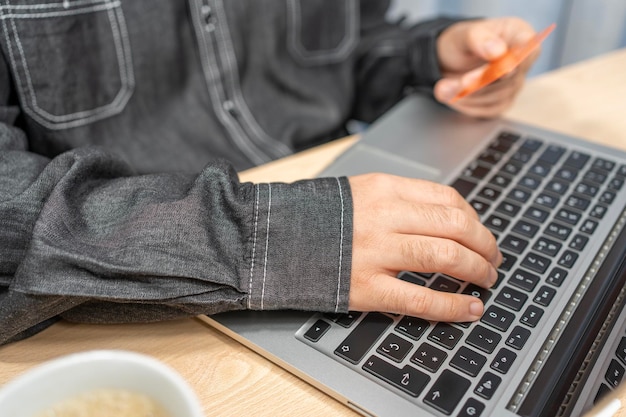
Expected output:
(362, 338)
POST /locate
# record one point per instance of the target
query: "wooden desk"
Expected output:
(587, 100)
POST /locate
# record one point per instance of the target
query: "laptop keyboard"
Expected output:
(543, 203)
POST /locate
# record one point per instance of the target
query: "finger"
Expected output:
(432, 254)
(412, 190)
(445, 223)
(491, 38)
(447, 88)
(392, 295)
(485, 42)
(492, 100)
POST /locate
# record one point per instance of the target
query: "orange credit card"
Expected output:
(506, 63)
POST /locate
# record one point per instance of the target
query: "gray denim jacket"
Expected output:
(116, 119)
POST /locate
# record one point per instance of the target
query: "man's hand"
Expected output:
(465, 47)
(415, 225)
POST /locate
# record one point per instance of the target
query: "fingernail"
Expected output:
(494, 48)
(448, 89)
(476, 309)
(493, 277)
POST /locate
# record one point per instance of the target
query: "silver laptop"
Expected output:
(552, 340)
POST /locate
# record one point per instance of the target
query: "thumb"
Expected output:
(486, 43)
(447, 88)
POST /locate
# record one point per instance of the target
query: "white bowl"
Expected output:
(70, 375)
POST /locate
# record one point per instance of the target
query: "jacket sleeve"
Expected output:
(393, 59)
(84, 238)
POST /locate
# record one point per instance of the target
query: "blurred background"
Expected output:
(585, 28)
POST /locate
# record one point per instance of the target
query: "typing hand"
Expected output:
(415, 225)
(464, 49)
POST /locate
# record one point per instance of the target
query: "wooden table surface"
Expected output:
(586, 100)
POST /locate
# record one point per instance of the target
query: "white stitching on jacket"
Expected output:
(122, 45)
(256, 222)
(267, 241)
(340, 246)
(227, 53)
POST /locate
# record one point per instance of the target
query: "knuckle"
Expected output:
(448, 254)
(458, 221)
(450, 196)
(413, 252)
(419, 303)
(393, 300)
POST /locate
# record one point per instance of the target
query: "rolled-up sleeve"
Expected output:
(87, 240)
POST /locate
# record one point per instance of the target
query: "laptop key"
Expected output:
(525, 228)
(394, 347)
(508, 208)
(531, 316)
(577, 159)
(445, 335)
(316, 331)
(511, 298)
(429, 357)
(552, 154)
(507, 262)
(536, 263)
(483, 339)
(463, 187)
(568, 258)
(498, 318)
(558, 231)
(412, 326)
(362, 338)
(546, 246)
(412, 278)
(447, 392)
(472, 408)
(544, 296)
(514, 244)
(607, 197)
(602, 392)
(445, 285)
(503, 361)
(488, 385)
(407, 379)
(468, 361)
(547, 200)
(556, 277)
(604, 164)
(589, 226)
(518, 337)
(614, 373)
(478, 292)
(524, 280)
(616, 184)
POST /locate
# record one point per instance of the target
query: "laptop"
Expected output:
(552, 340)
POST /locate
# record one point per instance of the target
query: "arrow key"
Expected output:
(317, 330)
(447, 392)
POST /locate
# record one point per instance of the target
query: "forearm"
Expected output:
(92, 235)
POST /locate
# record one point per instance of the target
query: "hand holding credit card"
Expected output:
(505, 64)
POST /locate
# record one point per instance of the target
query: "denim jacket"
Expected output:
(122, 125)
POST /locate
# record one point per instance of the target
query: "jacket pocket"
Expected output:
(71, 60)
(322, 31)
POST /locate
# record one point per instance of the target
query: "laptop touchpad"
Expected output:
(364, 159)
